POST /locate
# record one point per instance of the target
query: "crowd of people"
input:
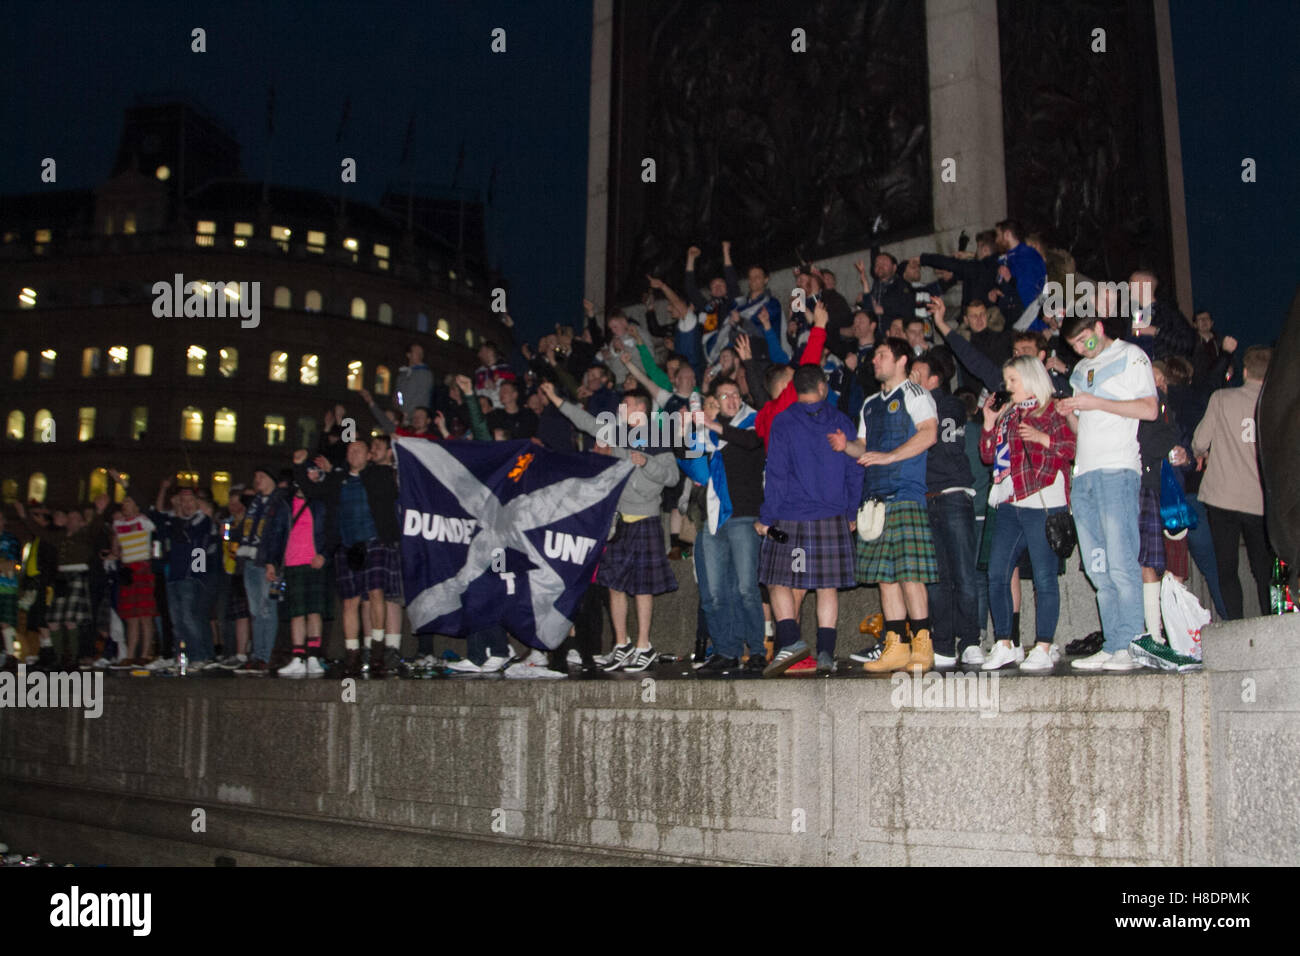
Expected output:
(829, 445)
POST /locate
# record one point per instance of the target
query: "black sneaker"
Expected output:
(1086, 645)
(393, 662)
(618, 656)
(871, 653)
(756, 664)
(640, 659)
(701, 655)
(716, 665)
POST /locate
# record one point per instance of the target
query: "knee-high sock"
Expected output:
(1151, 605)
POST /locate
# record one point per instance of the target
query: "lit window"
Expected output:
(307, 427)
(228, 363)
(196, 360)
(283, 297)
(9, 490)
(43, 426)
(309, 371)
(281, 236)
(85, 424)
(381, 256)
(350, 245)
(220, 488)
(89, 362)
(358, 308)
(128, 224)
(312, 301)
(356, 376)
(43, 236)
(274, 425)
(383, 380)
(223, 425)
(279, 366)
(20, 365)
(36, 485)
(16, 426)
(243, 228)
(163, 173)
(98, 483)
(119, 491)
(385, 314)
(47, 363)
(444, 330)
(108, 225)
(118, 356)
(139, 422)
(469, 337)
(144, 360)
(27, 298)
(186, 479)
(191, 424)
(205, 233)
(10, 236)
(315, 241)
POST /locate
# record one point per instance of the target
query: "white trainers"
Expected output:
(161, 664)
(573, 658)
(1055, 654)
(495, 665)
(943, 660)
(1037, 660)
(314, 668)
(100, 664)
(1001, 656)
(1093, 662)
(1122, 661)
(464, 666)
(973, 655)
(533, 667)
(295, 668)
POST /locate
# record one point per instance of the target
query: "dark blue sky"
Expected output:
(72, 67)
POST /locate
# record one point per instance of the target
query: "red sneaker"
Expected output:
(802, 669)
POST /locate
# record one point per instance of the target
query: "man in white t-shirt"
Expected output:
(1114, 389)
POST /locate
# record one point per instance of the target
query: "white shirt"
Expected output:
(1121, 372)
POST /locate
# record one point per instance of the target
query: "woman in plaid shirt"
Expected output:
(1030, 447)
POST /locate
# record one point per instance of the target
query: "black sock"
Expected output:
(898, 628)
(787, 633)
(1015, 629)
(676, 541)
(920, 624)
(826, 640)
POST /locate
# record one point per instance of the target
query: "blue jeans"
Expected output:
(1200, 545)
(732, 604)
(1015, 530)
(264, 612)
(1106, 518)
(953, 605)
(189, 619)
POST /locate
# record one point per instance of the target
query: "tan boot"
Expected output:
(922, 652)
(894, 657)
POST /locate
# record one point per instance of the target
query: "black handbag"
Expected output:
(357, 556)
(1060, 534)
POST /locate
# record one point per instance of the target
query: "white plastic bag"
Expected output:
(1183, 616)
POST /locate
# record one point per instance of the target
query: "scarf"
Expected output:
(707, 468)
(1002, 456)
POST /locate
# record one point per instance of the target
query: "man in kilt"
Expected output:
(810, 501)
(897, 426)
(635, 561)
(69, 610)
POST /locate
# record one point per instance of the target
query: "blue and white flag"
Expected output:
(707, 469)
(501, 533)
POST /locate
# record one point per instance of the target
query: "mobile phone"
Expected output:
(1000, 398)
(963, 241)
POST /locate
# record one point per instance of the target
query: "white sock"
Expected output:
(769, 628)
(9, 633)
(393, 640)
(1151, 605)
(352, 643)
(376, 635)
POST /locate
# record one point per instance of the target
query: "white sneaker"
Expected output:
(573, 658)
(1093, 662)
(1055, 653)
(1122, 661)
(533, 667)
(161, 664)
(1020, 654)
(102, 663)
(295, 668)
(943, 660)
(494, 665)
(1037, 660)
(1001, 656)
(314, 668)
(464, 666)
(973, 655)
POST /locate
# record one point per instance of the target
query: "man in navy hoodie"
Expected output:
(810, 504)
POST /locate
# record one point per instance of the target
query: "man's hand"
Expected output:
(837, 440)
(329, 419)
(300, 456)
(944, 274)
(508, 322)
(1054, 364)
(994, 295)
(318, 561)
(1004, 273)
(322, 463)
(851, 361)
(589, 308)
(764, 320)
(270, 573)
(165, 484)
(548, 392)
(440, 423)
(1229, 344)
(655, 283)
(637, 458)
(938, 310)
(526, 351)
(1178, 456)
(761, 529)
(726, 250)
(733, 317)
(820, 315)
(874, 458)
(1083, 402)
(465, 385)
(742, 347)
(692, 254)
(861, 266)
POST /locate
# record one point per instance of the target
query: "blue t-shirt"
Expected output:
(887, 421)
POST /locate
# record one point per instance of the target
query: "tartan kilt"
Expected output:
(827, 555)
(9, 608)
(237, 600)
(136, 599)
(304, 590)
(1151, 532)
(74, 607)
(903, 552)
(636, 562)
(383, 572)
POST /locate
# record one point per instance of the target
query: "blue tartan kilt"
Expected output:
(636, 562)
(818, 554)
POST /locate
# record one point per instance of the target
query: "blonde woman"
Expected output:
(1030, 448)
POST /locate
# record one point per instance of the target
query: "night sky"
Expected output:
(71, 69)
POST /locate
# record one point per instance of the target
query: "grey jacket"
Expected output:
(642, 493)
(414, 388)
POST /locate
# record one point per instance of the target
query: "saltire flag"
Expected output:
(707, 468)
(501, 533)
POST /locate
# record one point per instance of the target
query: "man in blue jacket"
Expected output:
(1021, 276)
(810, 503)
